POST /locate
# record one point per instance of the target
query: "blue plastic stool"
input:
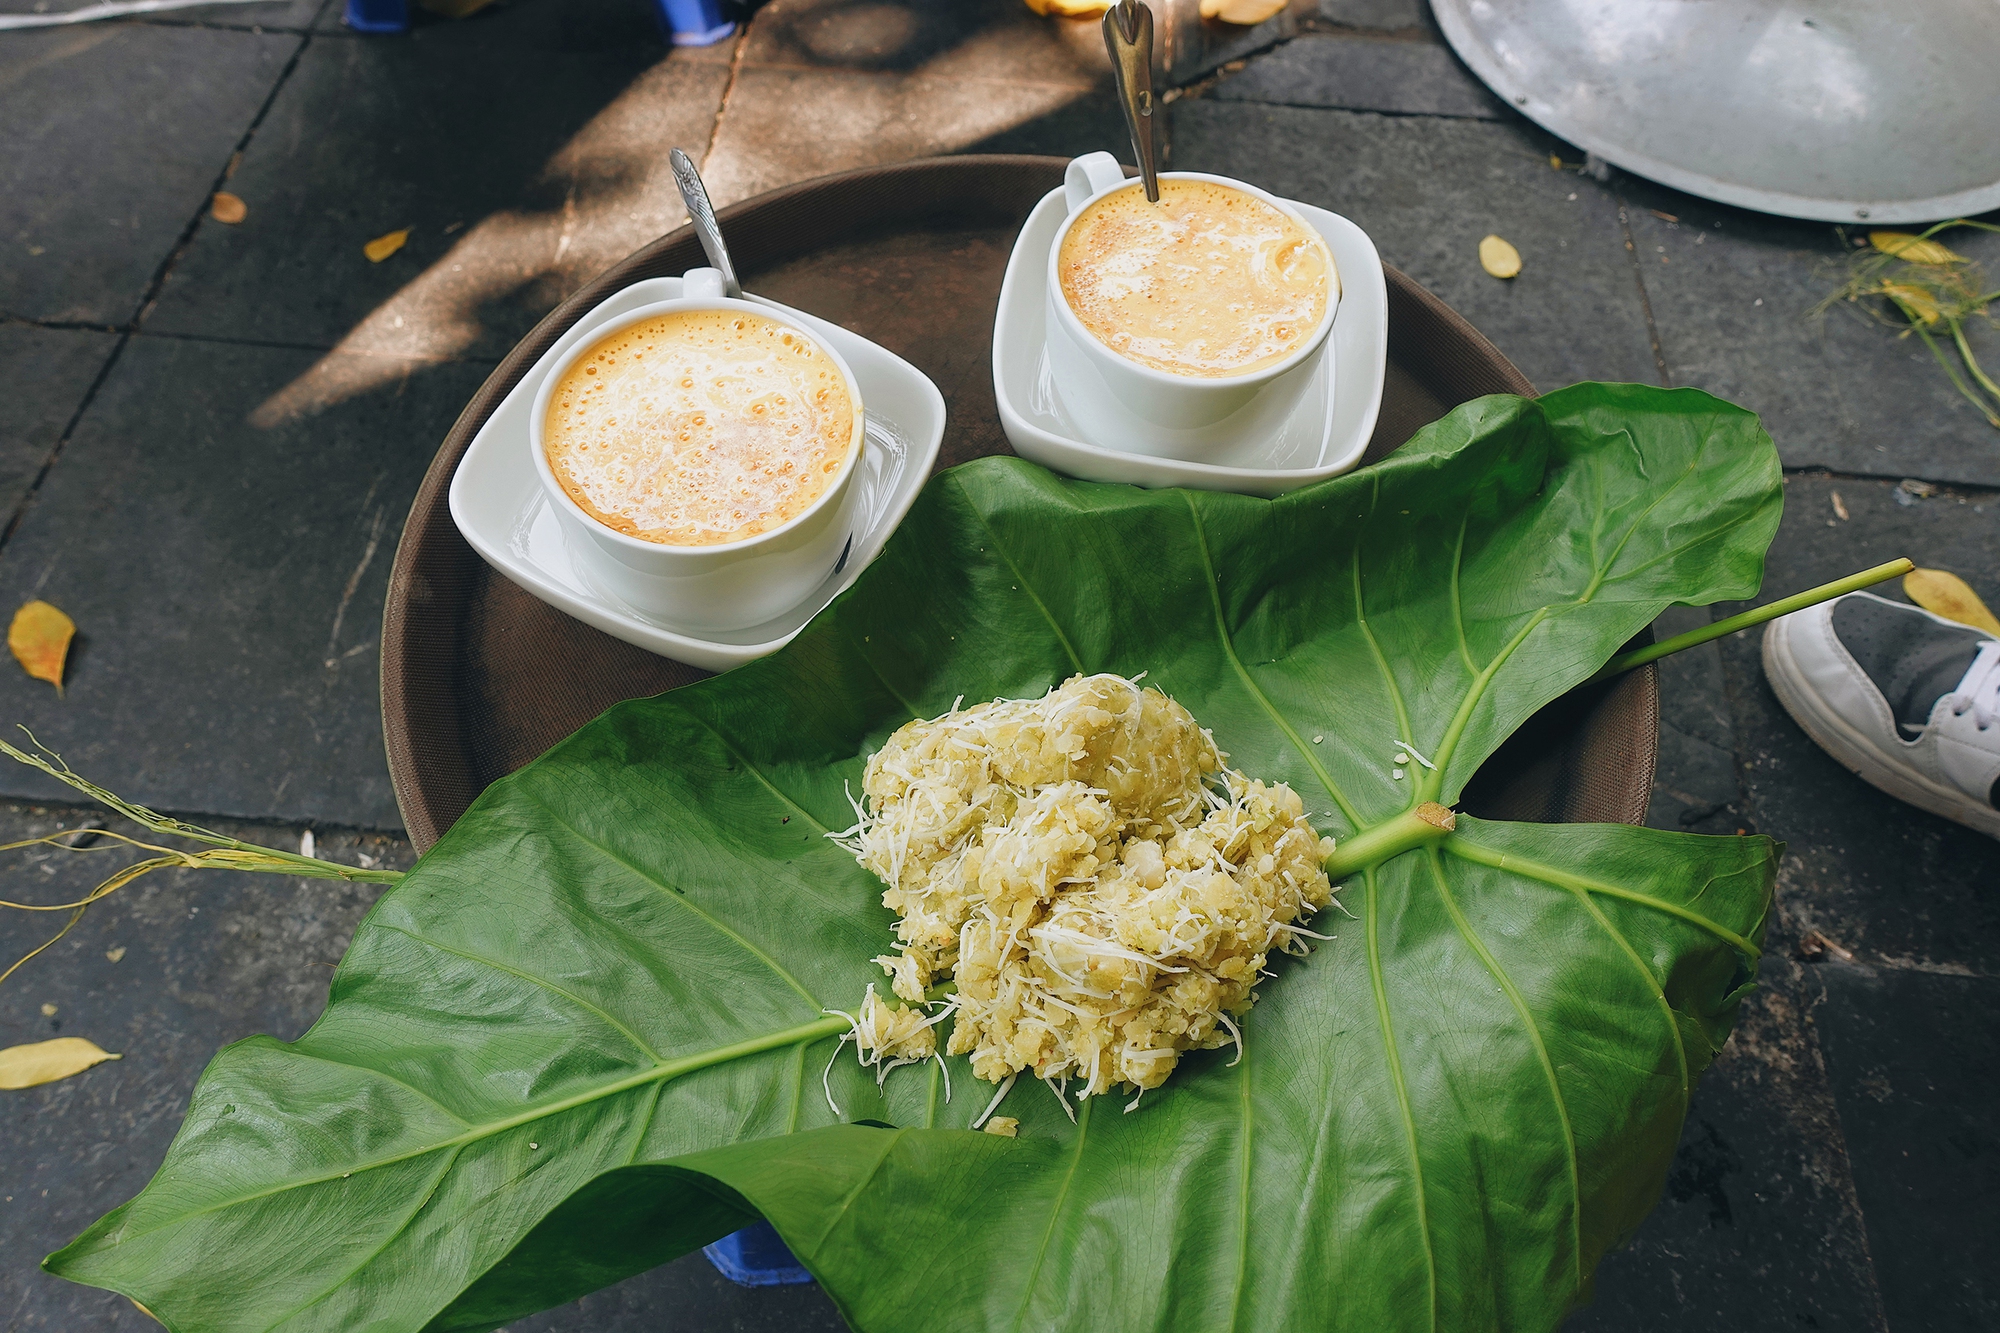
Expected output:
(755, 1257)
(693, 22)
(378, 15)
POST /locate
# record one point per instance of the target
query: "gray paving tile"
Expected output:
(272, 16)
(116, 134)
(568, 26)
(1695, 788)
(1884, 880)
(212, 528)
(1915, 1058)
(1758, 1227)
(1732, 294)
(1384, 14)
(204, 958)
(1427, 190)
(829, 86)
(1361, 73)
(982, 39)
(511, 201)
(47, 372)
(787, 124)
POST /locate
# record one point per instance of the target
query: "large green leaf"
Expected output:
(586, 1033)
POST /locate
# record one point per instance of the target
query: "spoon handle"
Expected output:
(1128, 36)
(695, 195)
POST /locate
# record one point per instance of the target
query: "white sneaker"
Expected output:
(1908, 700)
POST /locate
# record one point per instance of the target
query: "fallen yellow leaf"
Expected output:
(1948, 595)
(1499, 258)
(382, 247)
(1916, 303)
(226, 207)
(1244, 13)
(41, 1062)
(1915, 249)
(39, 638)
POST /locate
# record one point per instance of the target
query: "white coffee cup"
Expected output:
(727, 585)
(1120, 404)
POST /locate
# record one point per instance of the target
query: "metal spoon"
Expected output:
(695, 195)
(1128, 36)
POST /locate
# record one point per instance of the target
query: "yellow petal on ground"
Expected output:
(1006, 1126)
(41, 1062)
(1915, 249)
(226, 207)
(39, 639)
(1499, 258)
(382, 247)
(1917, 305)
(1948, 595)
(1244, 13)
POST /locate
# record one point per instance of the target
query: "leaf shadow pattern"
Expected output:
(1443, 1124)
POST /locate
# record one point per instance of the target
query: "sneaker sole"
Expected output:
(1855, 751)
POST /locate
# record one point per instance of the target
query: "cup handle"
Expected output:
(1089, 174)
(702, 284)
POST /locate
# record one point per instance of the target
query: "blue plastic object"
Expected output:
(378, 15)
(755, 1257)
(693, 22)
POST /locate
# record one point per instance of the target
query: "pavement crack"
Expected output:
(728, 88)
(1645, 302)
(151, 295)
(354, 579)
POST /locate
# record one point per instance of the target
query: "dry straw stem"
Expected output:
(223, 853)
(1937, 292)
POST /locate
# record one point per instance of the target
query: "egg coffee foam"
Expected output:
(699, 427)
(1209, 281)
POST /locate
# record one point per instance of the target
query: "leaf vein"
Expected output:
(1075, 661)
(1055, 1214)
(682, 900)
(1402, 1090)
(542, 983)
(376, 1253)
(1534, 1033)
(1243, 674)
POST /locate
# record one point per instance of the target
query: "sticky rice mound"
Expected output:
(1103, 890)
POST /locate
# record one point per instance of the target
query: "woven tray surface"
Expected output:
(478, 677)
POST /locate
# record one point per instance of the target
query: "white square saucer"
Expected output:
(499, 505)
(1324, 436)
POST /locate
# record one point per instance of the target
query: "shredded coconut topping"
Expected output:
(1103, 890)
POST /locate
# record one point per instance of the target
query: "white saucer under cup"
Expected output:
(1325, 433)
(1119, 403)
(503, 509)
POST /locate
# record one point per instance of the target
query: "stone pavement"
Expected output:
(213, 433)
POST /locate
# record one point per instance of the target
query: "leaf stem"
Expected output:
(1428, 823)
(1784, 606)
(235, 855)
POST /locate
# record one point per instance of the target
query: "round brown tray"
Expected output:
(478, 677)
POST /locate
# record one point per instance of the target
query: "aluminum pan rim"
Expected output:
(1470, 46)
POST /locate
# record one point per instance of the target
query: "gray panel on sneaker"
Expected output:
(1912, 659)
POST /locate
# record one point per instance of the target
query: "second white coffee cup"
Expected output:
(728, 585)
(1120, 404)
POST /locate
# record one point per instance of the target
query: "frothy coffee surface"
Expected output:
(1209, 281)
(699, 427)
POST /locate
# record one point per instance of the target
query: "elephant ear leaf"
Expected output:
(590, 1030)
